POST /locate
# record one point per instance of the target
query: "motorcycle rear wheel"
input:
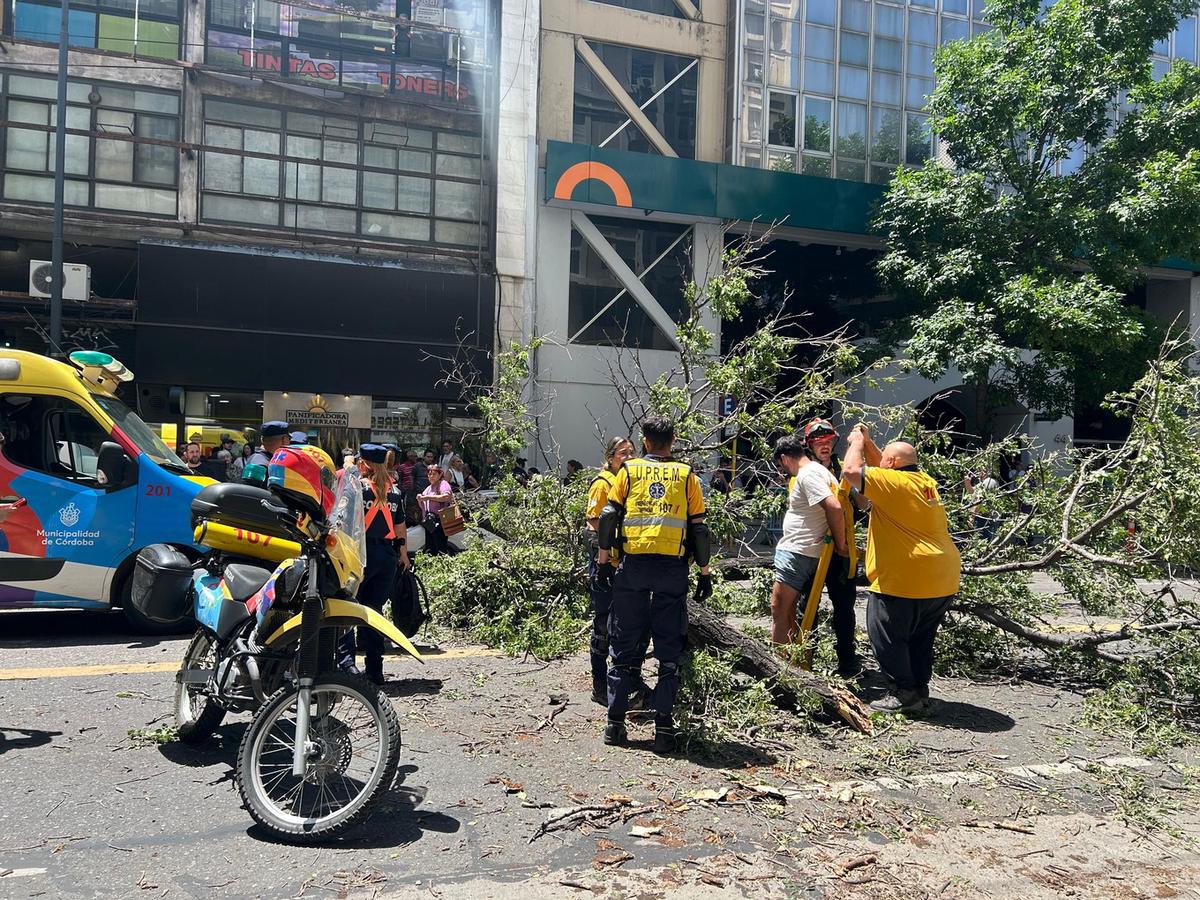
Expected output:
(197, 715)
(355, 734)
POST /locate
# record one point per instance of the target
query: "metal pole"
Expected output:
(60, 153)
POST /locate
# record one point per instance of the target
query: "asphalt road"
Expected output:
(93, 808)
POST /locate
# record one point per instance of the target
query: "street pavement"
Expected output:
(93, 806)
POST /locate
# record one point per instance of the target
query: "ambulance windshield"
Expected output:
(140, 433)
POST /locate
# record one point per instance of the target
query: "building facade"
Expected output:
(603, 282)
(268, 198)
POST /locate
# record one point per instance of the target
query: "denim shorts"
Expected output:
(795, 570)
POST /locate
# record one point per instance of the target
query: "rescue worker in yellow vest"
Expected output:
(616, 452)
(657, 507)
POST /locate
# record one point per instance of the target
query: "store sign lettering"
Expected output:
(308, 417)
(327, 71)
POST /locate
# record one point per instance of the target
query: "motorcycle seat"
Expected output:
(245, 580)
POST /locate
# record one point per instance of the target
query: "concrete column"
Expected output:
(192, 127)
(556, 101)
(710, 110)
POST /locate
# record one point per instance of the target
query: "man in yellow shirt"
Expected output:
(655, 517)
(912, 562)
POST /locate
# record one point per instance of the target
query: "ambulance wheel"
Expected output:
(140, 623)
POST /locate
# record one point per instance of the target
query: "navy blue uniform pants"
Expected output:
(601, 610)
(649, 593)
(378, 578)
(902, 631)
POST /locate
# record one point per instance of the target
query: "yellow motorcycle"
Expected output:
(323, 745)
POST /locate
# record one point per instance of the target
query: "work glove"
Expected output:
(703, 588)
(603, 579)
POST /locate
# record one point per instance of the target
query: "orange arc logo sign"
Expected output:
(582, 171)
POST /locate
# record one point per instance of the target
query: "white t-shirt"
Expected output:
(804, 523)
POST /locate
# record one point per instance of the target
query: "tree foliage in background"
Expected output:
(989, 251)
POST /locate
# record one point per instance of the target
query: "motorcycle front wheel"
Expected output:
(197, 715)
(354, 738)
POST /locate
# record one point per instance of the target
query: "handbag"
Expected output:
(409, 602)
(452, 521)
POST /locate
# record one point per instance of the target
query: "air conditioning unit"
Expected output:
(77, 280)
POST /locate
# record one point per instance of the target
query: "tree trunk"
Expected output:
(787, 683)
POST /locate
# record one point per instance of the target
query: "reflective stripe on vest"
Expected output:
(387, 514)
(656, 507)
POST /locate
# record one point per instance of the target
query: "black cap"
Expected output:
(274, 429)
(375, 453)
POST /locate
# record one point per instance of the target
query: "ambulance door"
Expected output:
(83, 531)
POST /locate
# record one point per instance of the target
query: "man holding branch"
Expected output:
(912, 563)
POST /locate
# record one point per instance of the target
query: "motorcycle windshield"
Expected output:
(348, 529)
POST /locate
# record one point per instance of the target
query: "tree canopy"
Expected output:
(1071, 169)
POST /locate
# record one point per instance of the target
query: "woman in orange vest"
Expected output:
(387, 549)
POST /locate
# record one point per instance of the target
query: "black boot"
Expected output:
(600, 680)
(615, 734)
(665, 739)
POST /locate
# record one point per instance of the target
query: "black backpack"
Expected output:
(409, 601)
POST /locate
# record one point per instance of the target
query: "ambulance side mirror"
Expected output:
(114, 468)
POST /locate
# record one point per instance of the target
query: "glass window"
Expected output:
(754, 64)
(920, 60)
(51, 435)
(818, 124)
(363, 178)
(1185, 39)
(785, 36)
(113, 27)
(116, 157)
(918, 142)
(882, 174)
(928, 4)
(885, 135)
(600, 310)
(854, 49)
(818, 77)
(852, 82)
(781, 162)
(785, 71)
(752, 121)
(917, 90)
(977, 8)
(856, 15)
(815, 165)
(955, 6)
(823, 12)
(819, 42)
(889, 54)
(849, 170)
(755, 26)
(886, 88)
(954, 30)
(889, 21)
(852, 130)
(922, 27)
(643, 74)
(781, 122)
